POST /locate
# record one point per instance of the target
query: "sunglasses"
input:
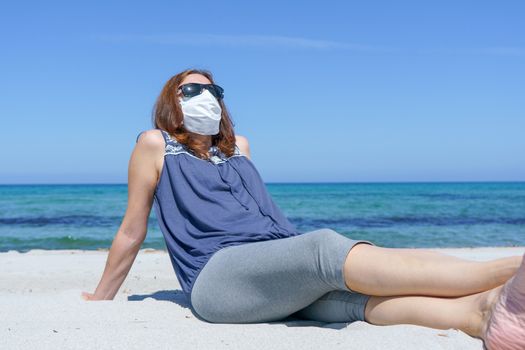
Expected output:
(194, 89)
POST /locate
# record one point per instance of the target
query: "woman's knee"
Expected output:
(325, 237)
(328, 241)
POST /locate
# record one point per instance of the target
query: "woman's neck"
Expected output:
(204, 139)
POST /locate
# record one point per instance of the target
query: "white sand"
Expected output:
(41, 308)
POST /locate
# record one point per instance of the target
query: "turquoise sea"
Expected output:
(389, 214)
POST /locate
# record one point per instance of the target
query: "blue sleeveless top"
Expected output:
(205, 205)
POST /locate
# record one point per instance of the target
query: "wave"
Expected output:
(67, 242)
(77, 220)
(405, 221)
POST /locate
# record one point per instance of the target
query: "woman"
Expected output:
(239, 260)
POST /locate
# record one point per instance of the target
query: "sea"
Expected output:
(398, 215)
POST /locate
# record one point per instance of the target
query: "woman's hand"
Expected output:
(90, 296)
(87, 296)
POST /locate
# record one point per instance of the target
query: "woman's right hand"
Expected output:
(91, 296)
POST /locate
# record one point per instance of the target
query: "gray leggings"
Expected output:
(300, 276)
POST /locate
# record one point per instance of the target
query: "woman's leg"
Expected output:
(465, 313)
(270, 280)
(379, 271)
(497, 316)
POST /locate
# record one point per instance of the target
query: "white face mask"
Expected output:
(202, 113)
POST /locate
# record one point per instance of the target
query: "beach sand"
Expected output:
(42, 308)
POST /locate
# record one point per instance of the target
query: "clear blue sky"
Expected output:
(324, 90)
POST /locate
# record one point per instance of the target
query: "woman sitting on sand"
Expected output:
(239, 260)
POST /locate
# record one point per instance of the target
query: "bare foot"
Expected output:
(504, 328)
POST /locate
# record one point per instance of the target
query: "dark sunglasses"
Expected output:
(194, 89)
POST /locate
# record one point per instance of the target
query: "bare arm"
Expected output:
(242, 143)
(142, 179)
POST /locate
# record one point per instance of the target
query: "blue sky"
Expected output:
(324, 91)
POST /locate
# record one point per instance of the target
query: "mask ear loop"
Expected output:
(181, 96)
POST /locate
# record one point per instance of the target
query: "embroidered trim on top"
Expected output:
(175, 147)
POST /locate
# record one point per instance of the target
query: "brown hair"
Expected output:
(167, 115)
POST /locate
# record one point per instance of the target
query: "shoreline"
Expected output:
(279, 182)
(154, 250)
(40, 297)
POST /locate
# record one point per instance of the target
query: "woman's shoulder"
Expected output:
(150, 146)
(151, 137)
(243, 144)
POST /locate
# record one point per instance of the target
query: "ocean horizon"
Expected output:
(274, 182)
(408, 214)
